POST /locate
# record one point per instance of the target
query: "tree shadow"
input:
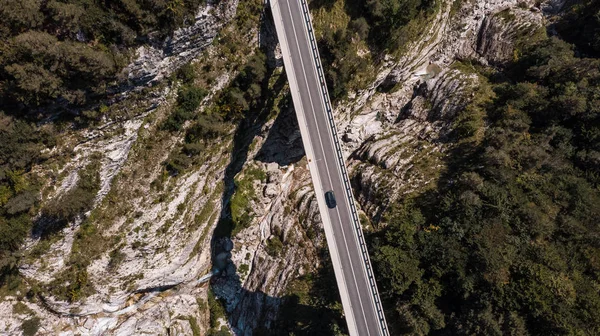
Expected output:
(317, 4)
(322, 314)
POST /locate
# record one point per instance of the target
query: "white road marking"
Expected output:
(337, 163)
(301, 106)
(325, 161)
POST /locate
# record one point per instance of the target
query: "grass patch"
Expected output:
(194, 325)
(21, 309)
(242, 212)
(217, 311)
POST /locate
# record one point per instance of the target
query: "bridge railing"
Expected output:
(342, 165)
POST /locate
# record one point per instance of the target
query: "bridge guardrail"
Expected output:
(342, 164)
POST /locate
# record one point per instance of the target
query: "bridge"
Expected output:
(349, 254)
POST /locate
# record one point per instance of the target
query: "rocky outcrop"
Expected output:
(152, 245)
(281, 241)
(396, 140)
(500, 31)
(153, 231)
(161, 58)
(476, 30)
(254, 300)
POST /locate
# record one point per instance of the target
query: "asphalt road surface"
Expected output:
(313, 110)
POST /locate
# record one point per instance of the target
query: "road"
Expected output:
(360, 299)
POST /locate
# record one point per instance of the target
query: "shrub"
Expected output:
(187, 73)
(189, 99)
(274, 246)
(30, 326)
(216, 308)
(75, 202)
(116, 258)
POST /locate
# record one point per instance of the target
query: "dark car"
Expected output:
(330, 199)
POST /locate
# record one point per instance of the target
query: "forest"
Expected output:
(69, 53)
(508, 241)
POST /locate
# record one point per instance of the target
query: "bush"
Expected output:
(189, 99)
(216, 308)
(75, 202)
(30, 326)
(274, 247)
(187, 74)
(116, 258)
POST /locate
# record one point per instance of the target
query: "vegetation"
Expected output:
(580, 25)
(274, 247)
(30, 326)
(242, 212)
(69, 51)
(194, 326)
(73, 203)
(243, 269)
(506, 243)
(229, 106)
(371, 28)
(217, 312)
(116, 258)
(20, 149)
(188, 100)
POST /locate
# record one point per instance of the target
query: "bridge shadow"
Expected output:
(307, 312)
(284, 142)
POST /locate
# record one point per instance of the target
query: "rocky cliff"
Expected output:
(153, 249)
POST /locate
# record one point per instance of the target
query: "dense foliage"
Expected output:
(375, 28)
(20, 148)
(580, 24)
(68, 51)
(508, 241)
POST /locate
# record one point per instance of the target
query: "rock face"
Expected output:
(496, 39)
(157, 61)
(150, 276)
(409, 125)
(254, 296)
